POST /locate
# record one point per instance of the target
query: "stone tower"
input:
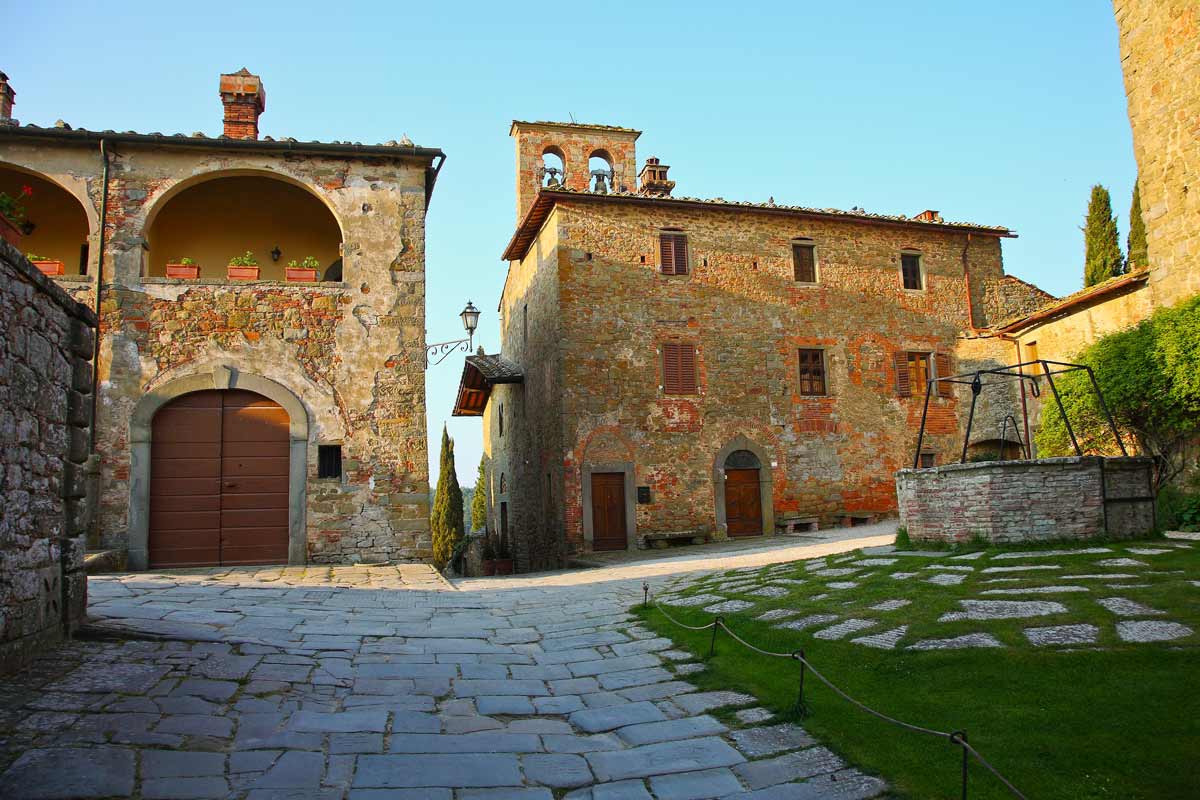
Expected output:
(571, 145)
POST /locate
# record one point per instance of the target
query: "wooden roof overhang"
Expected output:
(480, 374)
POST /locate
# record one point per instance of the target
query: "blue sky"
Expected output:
(997, 113)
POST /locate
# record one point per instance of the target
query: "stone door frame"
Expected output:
(766, 492)
(626, 468)
(221, 377)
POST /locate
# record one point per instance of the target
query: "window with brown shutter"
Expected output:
(903, 382)
(679, 368)
(804, 262)
(812, 373)
(944, 388)
(918, 371)
(672, 252)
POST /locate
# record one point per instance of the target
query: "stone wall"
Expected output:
(1160, 58)
(46, 346)
(574, 144)
(351, 352)
(1028, 501)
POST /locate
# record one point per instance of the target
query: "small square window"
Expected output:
(329, 461)
(804, 262)
(812, 373)
(928, 460)
(910, 269)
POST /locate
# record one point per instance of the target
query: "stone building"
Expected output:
(277, 418)
(46, 344)
(682, 368)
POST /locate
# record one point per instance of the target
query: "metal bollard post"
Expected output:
(645, 594)
(712, 646)
(959, 738)
(801, 708)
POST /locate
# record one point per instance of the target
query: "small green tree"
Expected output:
(1150, 377)
(1135, 245)
(446, 517)
(479, 500)
(1102, 259)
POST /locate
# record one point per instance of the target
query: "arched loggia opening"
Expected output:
(55, 225)
(217, 218)
(600, 171)
(554, 167)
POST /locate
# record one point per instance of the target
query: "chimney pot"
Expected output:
(653, 179)
(244, 99)
(929, 215)
(8, 96)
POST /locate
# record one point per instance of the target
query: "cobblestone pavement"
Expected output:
(387, 682)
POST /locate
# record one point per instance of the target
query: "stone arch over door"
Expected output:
(221, 377)
(765, 483)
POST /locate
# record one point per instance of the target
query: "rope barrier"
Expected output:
(958, 738)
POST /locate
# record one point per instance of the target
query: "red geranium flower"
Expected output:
(27, 191)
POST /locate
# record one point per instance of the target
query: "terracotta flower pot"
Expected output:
(489, 567)
(301, 274)
(9, 232)
(504, 566)
(242, 273)
(190, 271)
(50, 267)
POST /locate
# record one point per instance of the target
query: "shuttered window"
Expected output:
(928, 460)
(679, 368)
(915, 369)
(812, 372)
(672, 254)
(804, 262)
(910, 269)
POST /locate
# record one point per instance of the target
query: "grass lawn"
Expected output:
(1113, 719)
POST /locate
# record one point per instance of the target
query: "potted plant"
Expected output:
(183, 268)
(12, 215)
(46, 265)
(243, 268)
(489, 557)
(504, 559)
(305, 270)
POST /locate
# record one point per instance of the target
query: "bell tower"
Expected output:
(558, 154)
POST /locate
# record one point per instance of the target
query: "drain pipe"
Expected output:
(96, 299)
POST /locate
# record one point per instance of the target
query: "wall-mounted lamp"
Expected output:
(276, 253)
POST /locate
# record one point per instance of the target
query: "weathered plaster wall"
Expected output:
(742, 309)
(353, 351)
(46, 342)
(1028, 501)
(1160, 58)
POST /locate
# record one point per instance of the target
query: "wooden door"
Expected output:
(219, 481)
(608, 511)
(743, 502)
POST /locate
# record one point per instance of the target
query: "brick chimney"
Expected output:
(653, 179)
(244, 99)
(928, 215)
(7, 97)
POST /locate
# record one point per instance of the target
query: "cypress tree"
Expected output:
(1103, 246)
(446, 517)
(479, 499)
(1136, 244)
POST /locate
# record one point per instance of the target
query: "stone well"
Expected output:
(1028, 500)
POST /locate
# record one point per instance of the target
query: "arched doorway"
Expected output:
(219, 480)
(743, 498)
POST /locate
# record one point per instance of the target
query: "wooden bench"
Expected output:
(793, 525)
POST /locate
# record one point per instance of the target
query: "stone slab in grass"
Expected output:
(903, 576)
(1065, 589)
(753, 716)
(957, 642)
(946, 579)
(811, 621)
(1083, 551)
(883, 641)
(1022, 568)
(1062, 635)
(1151, 630)
(1124, 607)
(875, 562)
(772, 739)
(789, 767)
(844, 629)
(770, 591)
(789, 581)
(1147, 551)
(777, 613)
(694, 600)
(841, 584)
(1003, 609)
(969, 556)
(706, 701)
(1121, 562)
(891, 605)
(1111, 576)
(729, 607)
(951, 567)
(836, 572)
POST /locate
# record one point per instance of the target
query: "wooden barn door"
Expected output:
(743, 502)
(608, 511)
(219, 481)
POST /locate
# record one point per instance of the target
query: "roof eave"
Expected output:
(1061, 307)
